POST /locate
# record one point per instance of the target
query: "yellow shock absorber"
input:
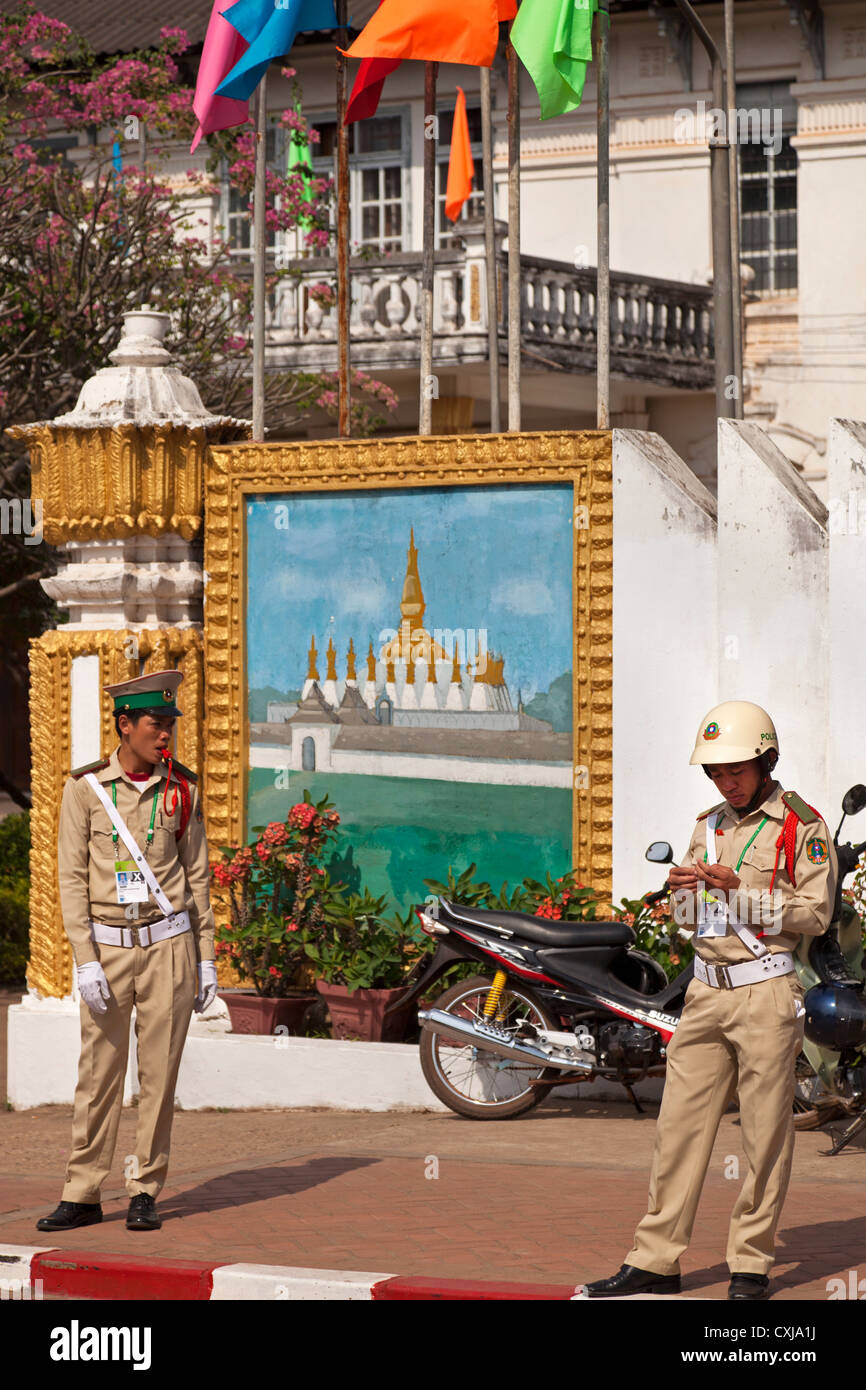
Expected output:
(493, 997)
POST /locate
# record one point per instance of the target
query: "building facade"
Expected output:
(800, 127)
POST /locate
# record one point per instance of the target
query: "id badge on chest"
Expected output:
(129, 882)
(712, 915)
(712, 908)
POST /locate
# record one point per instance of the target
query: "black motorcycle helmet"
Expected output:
(835, 1016)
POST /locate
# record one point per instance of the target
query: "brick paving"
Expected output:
(552, 1197)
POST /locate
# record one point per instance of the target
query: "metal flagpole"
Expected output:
(723, 316)
(514, 285)
(736, 278)
(602, 297)
(490, 249)
(259, 269)
(142, 154)
(344, 296)
(425, 409)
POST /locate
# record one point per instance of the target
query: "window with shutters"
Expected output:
(235, 206)
(767, 170)
(378, 176)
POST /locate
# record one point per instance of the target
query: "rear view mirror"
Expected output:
(660, 852)
(854, 800)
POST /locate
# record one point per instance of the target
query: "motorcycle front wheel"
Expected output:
(478, 1084)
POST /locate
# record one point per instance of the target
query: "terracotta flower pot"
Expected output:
(359, 1013)
(251, 1013)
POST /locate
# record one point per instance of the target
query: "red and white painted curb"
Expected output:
(31, 1271)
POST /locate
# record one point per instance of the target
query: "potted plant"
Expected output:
(277, 890)
(361, 959)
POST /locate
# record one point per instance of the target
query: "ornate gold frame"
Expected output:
(585, 457)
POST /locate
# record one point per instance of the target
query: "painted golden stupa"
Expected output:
(432, 705)
(412, 668)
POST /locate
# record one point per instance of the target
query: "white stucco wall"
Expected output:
(664, 651)
(772, 601)
(846, 618)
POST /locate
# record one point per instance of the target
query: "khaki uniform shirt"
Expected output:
(806, 910)
(86, 853)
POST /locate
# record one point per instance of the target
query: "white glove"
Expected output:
(93, 986)
(207, 985)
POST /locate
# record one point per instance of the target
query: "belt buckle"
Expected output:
(723, 977)
(133, 931)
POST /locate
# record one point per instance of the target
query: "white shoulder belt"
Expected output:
(747, 937)
(125, 834)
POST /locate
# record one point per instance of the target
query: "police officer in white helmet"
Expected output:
(760, 873)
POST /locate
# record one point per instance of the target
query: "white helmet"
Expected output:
(734, 732)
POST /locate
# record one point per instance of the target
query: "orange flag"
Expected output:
(434, 31)
(461, 169)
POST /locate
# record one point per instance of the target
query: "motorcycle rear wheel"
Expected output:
(807, 1091)
(466, 1079)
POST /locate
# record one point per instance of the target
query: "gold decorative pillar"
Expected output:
(118, 485)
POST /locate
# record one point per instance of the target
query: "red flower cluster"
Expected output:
(554, 910)
(276, 833)
(302, 816)
(549, 909)
(238, 868)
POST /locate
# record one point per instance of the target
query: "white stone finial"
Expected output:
(142, 387)
(141, 340)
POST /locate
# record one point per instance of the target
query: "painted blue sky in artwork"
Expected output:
(494, 558)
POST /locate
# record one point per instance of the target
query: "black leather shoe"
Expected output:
(630, 1279)
(142, 1213)
(749, 1286)
(70, 1214)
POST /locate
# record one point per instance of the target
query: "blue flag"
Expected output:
(270, 29)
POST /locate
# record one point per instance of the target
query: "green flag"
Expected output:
(300, 159)
(553, 40)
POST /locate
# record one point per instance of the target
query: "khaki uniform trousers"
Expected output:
(160, 980)
(745, 1040)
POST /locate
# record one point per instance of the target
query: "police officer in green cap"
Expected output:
(135, 897)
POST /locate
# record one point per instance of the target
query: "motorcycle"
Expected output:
(832, 1084)
(572, 1002)
(568, 1001)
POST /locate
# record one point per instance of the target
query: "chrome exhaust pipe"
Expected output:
(492, 1039)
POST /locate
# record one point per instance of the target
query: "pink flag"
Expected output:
(223, 46)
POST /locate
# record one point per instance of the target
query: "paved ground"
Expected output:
(551, 1197)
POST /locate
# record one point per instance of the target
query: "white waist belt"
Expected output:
(145, 935)
(748, 973)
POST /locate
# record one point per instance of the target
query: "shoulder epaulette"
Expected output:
(187, 772)
(90, 767)
(717, 807)
(796, 804)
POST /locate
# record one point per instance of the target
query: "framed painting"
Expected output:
(421, 629)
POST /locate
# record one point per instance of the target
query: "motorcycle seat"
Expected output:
(542, 929)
